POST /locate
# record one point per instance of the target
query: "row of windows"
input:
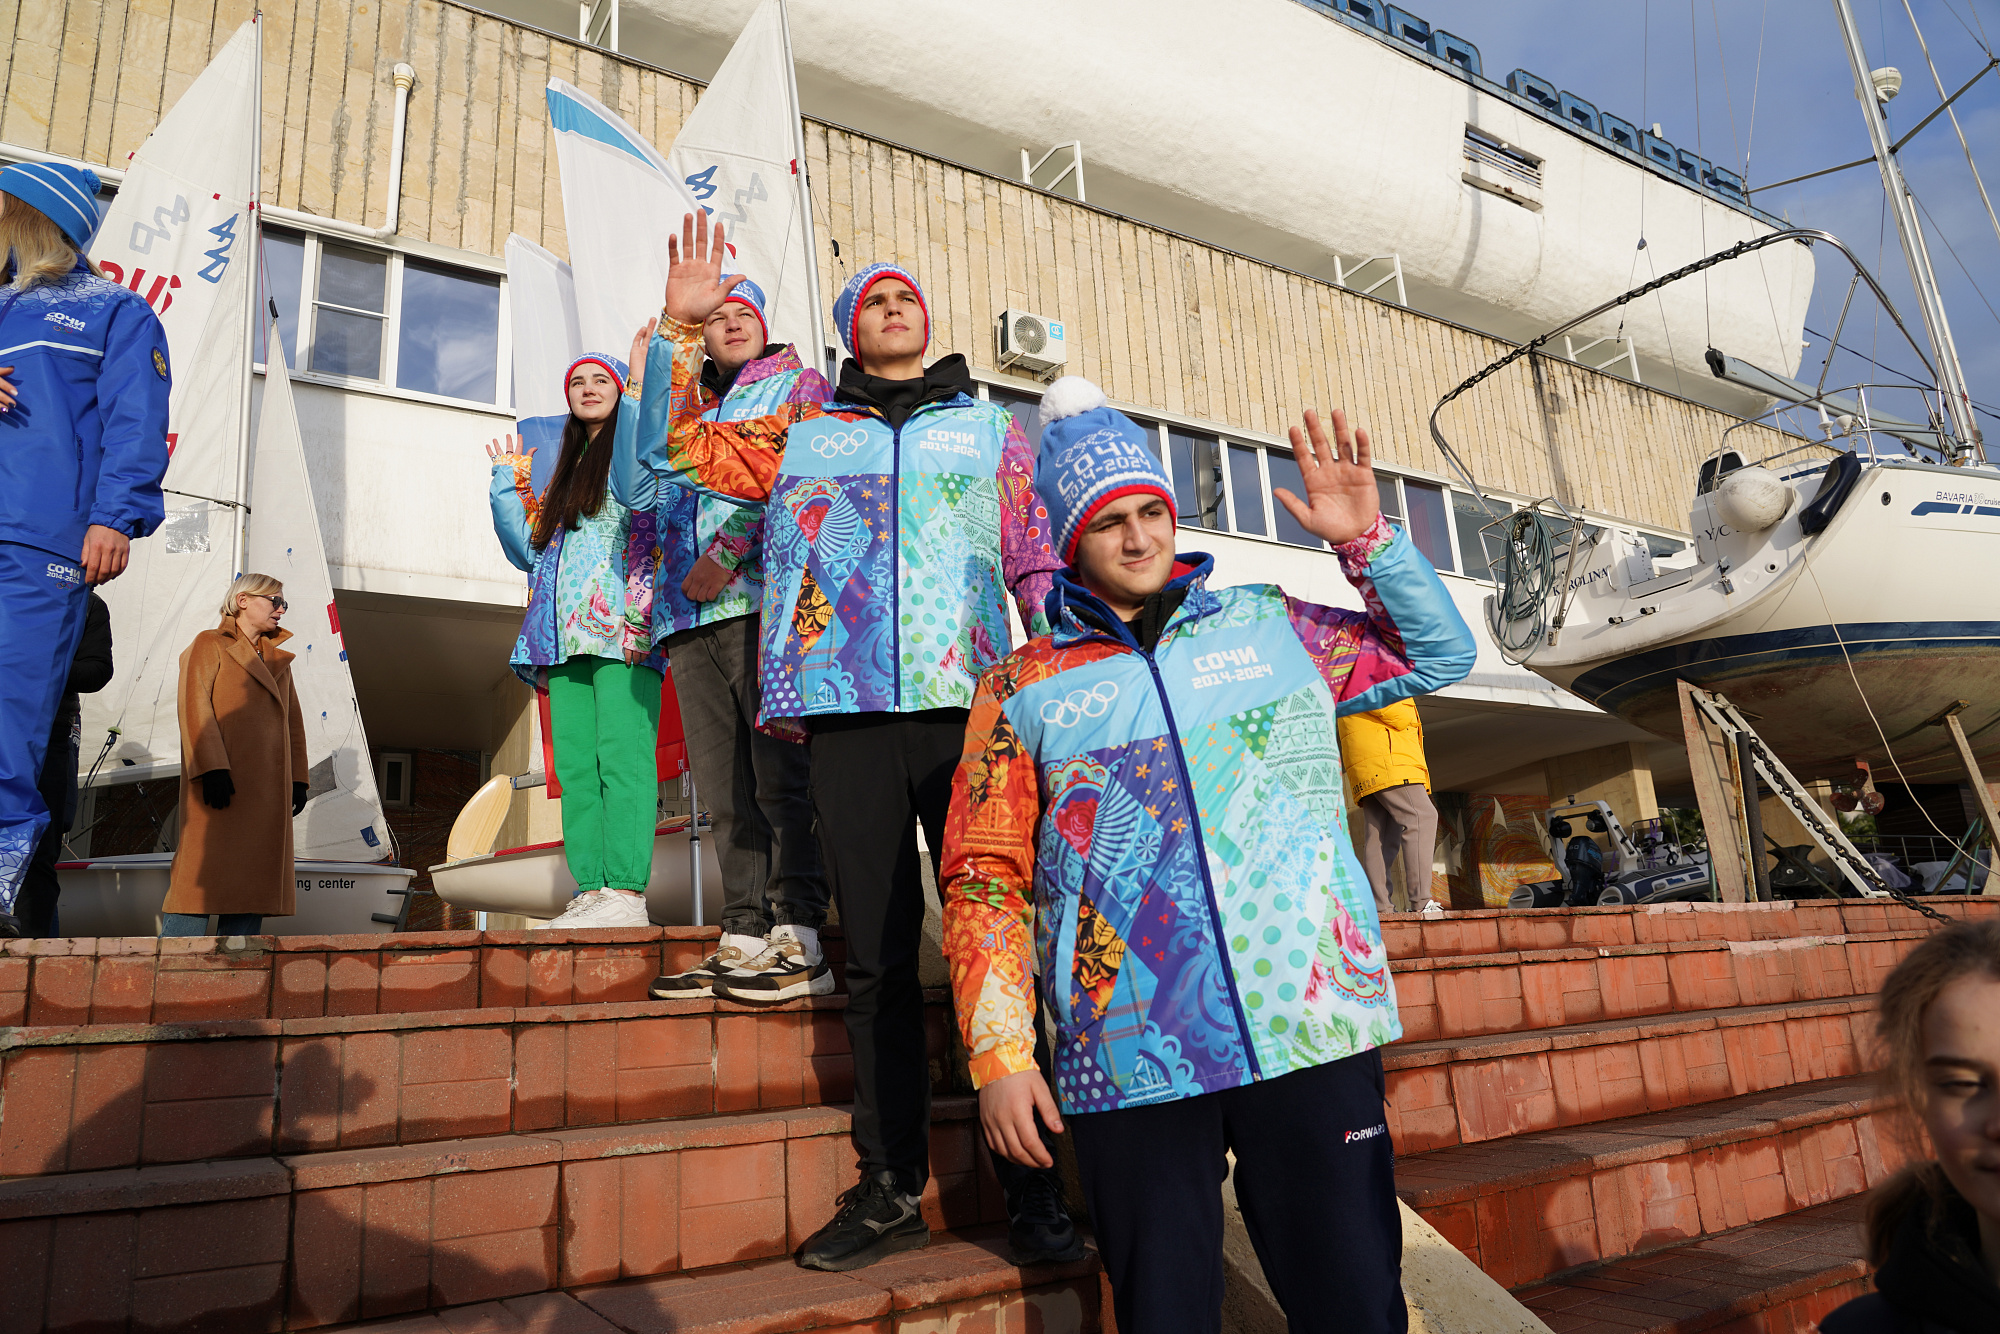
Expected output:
(1225, 486)
(396, 320)
(392, 319)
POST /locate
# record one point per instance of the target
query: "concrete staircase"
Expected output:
(1653, 1120)
(1639, 1120)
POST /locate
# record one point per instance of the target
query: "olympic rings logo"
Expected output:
(1074, 707)
(839, 444)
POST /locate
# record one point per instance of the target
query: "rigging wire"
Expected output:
(1728, 99)
(1980, 36)
(1954, 255)
(1984, 198)
(1756, 82)
(1700, 209)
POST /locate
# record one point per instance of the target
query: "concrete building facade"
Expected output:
(1215, 351)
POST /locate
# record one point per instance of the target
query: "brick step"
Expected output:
(1499, 930)
(1471, 1090)
(1775, 1277)
(342, 1235)
(140, 980)
(1467, 995)
(962, 1281)
(107, 1096)
(1535, 1205)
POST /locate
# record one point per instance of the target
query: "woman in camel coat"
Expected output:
(243, 767)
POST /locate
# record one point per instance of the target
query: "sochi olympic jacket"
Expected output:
(692, 520)
(1161, 837)
(887, 550)
(87, 441)
(590, 590)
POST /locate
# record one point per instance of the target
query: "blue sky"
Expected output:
(1786, 104)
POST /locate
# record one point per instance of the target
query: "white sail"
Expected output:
(737, 158)
(738, 154)
(343, 819)
(541, 294)
(180, 234)
(618, 201)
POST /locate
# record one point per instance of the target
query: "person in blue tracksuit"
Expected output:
(83, 446)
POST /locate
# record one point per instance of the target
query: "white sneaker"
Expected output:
(1431, 908)
(601, 908)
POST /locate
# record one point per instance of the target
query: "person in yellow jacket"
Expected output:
(1383, 753)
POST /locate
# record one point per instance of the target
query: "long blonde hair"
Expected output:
(41, 253)
(252, 584)
(1964, 949)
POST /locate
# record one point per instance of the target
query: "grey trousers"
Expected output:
(756, 788)
(1399, 820)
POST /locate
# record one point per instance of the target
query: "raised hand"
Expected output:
(506, 452)
(695, 285)
(1341, 500)
(636, 363)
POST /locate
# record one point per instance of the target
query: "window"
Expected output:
(1246, 491)
(352, 313)
(1196, 464)
(1426, 522)
(449, 343)
(1658, 547)
(1478, 552)
(1284, 470)
(392, 778)
(1025, 407)
(284, 265)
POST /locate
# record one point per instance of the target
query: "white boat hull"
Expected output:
(534, 881)
(121, 896)
(1894, 603)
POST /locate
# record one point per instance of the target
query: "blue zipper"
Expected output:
(1201, 847)
(896, 537)
(1201, 857)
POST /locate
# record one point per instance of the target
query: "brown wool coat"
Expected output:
(238, 712)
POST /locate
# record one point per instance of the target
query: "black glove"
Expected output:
(298, 797)
(217, 787)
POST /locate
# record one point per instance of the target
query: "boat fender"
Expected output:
(1834, 489)
(1752, 499)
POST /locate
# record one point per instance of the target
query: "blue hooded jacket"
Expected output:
(86, 442)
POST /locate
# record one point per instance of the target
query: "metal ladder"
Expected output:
(1757, 759)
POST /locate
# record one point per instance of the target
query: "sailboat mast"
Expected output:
(805, 194)
(252, 254)
(1951, 375)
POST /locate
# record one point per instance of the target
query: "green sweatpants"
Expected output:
(606, 719)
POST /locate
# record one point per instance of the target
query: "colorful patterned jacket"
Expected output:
(694, 520)
(1162, 839)
(886, 552)
(590, 591)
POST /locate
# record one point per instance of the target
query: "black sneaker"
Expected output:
(784, 971)
(875, 1221)
(1039, 1230)
(10, 926)
(697, 981)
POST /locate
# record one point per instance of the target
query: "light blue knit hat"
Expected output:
(751, 296)
(1092, 454)
(847, 306)
(66, 196)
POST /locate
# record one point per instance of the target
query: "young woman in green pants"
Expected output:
(590, 564)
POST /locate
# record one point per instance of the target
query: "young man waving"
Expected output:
(899, 517)
(1149, 818)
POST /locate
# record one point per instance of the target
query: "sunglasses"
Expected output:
(277, 603)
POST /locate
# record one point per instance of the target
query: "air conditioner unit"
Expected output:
(1033, 343)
